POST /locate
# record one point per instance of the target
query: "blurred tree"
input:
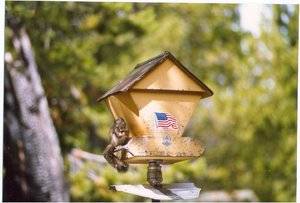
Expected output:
(248, 126)
(33, 171)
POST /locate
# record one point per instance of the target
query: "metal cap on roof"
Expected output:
(147, 66)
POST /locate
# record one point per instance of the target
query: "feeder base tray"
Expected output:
(168, 149)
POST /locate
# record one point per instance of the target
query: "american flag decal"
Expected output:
(166, 121)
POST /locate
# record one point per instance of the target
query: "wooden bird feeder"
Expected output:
(157, 100)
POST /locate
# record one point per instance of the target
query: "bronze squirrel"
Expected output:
(119, 136)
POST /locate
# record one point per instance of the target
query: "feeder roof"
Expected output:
(142, 69)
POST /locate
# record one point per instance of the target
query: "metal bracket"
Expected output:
(176, 191)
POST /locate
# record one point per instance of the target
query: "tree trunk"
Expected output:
(32, 158)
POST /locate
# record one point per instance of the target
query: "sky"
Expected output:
(252, 15)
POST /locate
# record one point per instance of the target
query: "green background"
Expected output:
(248, 127)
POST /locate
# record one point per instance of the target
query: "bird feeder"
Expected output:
(157, 100)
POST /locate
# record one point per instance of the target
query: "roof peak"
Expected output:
(162, 55)
(147, 66)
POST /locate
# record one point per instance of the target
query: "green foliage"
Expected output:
(248, 126)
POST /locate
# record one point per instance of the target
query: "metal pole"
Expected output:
(154, 174)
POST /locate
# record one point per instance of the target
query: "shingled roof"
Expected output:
(142, 69)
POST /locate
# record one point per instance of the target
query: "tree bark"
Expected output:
(33, 165)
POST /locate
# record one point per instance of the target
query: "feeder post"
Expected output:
(154, 174)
